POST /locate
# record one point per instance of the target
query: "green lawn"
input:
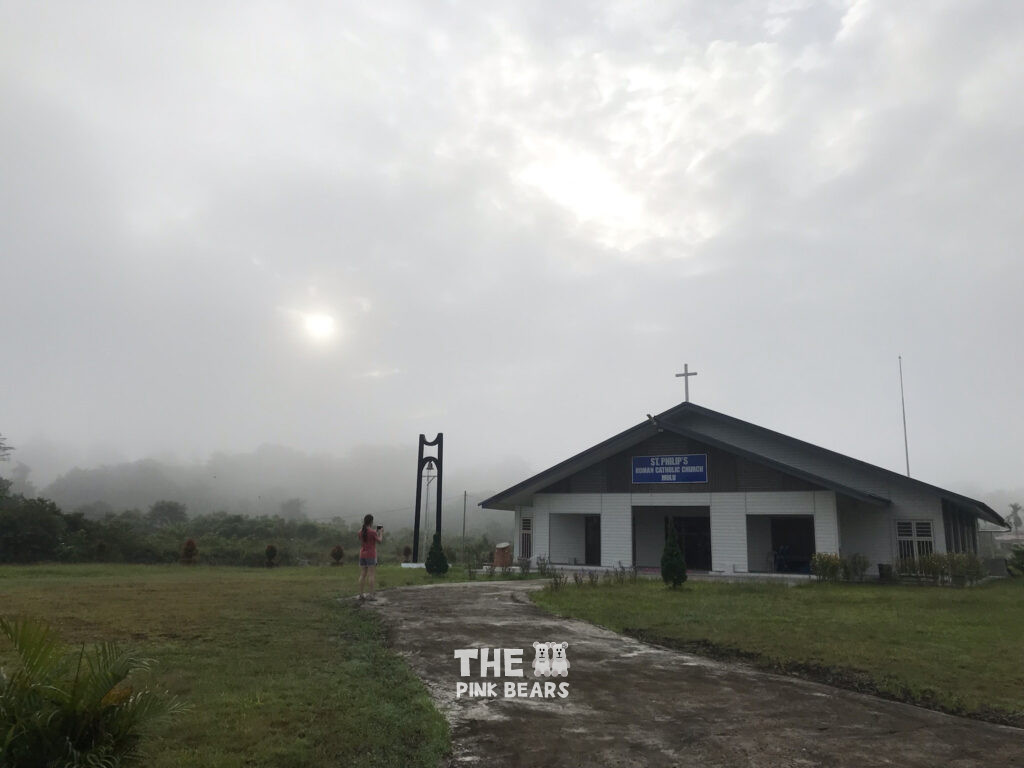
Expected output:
(277, 671)
(958, 650)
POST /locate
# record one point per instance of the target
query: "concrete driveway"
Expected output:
(632, 704)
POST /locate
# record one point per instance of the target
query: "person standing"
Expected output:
(369, 538)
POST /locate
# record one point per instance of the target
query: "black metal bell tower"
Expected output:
(422, 464)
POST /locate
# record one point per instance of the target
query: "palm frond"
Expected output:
(37, 646)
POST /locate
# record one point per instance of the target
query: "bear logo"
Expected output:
(542, 659)
(559, 663)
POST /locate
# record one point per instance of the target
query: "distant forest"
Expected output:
(232, 508)
(274, 480)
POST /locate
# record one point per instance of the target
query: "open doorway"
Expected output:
(691, 526)
(592, 539)
(780, 543)
(694, 537)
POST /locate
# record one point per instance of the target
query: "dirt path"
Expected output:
(631, 704)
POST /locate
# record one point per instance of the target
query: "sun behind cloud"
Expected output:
(319, 326)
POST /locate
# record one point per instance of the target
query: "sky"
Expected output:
(331, 226)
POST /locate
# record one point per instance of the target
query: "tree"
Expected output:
(30, 530)
(19, 482)
(437, 563)
(1013, 519)
(165, 513)
(673, 565)
(293, 509)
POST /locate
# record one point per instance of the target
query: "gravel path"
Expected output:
(632, 704)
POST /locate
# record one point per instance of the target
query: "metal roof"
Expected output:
(674, 420)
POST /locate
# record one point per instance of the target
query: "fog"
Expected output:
(325, 231)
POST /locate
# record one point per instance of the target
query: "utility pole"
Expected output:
(465, 496)
(903, 405)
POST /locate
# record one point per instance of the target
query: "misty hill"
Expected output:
(374, 479)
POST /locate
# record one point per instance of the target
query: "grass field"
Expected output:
(958, 650)
(278, 672)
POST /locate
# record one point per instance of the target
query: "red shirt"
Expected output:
(369, 549)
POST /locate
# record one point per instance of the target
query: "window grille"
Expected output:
(914, 539)
(526, 537)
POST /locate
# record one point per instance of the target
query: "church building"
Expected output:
(739, 497)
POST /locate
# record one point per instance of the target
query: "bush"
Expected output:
(933, 566)
(543, 566)
(437, 563)
(854, 567)
(1016, 561)
(337, 554)
(673, 565)
(270, 553)
(593, 578)
(826, 566)
(72, 709)
(975, 568)
(189, 552)
(558, 580)
(524, 566)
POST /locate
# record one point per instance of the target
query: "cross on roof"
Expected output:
(686, 374)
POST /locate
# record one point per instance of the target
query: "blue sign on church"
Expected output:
(685, 468)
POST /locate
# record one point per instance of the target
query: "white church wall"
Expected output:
(729, 546)
(867, 530)
(728, 521)
(616, 530)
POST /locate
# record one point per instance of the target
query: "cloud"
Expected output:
(534, 214)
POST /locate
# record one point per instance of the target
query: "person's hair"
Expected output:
(367, 522)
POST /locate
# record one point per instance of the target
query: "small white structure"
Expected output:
(741, 499)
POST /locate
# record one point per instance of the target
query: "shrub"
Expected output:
(72, 709)
(558, 580)
(437, 563)
(854, 567)
(933, 566)
(673, 565)
(337, 554)
(578, 578)
(975, 568)
(269, 554)
(524, 566)
(542, 566)
(826, 566)
(620, 574)
(593, 578)
(965, 568)
(906, 566)
(189, 552)
(1016, 561)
